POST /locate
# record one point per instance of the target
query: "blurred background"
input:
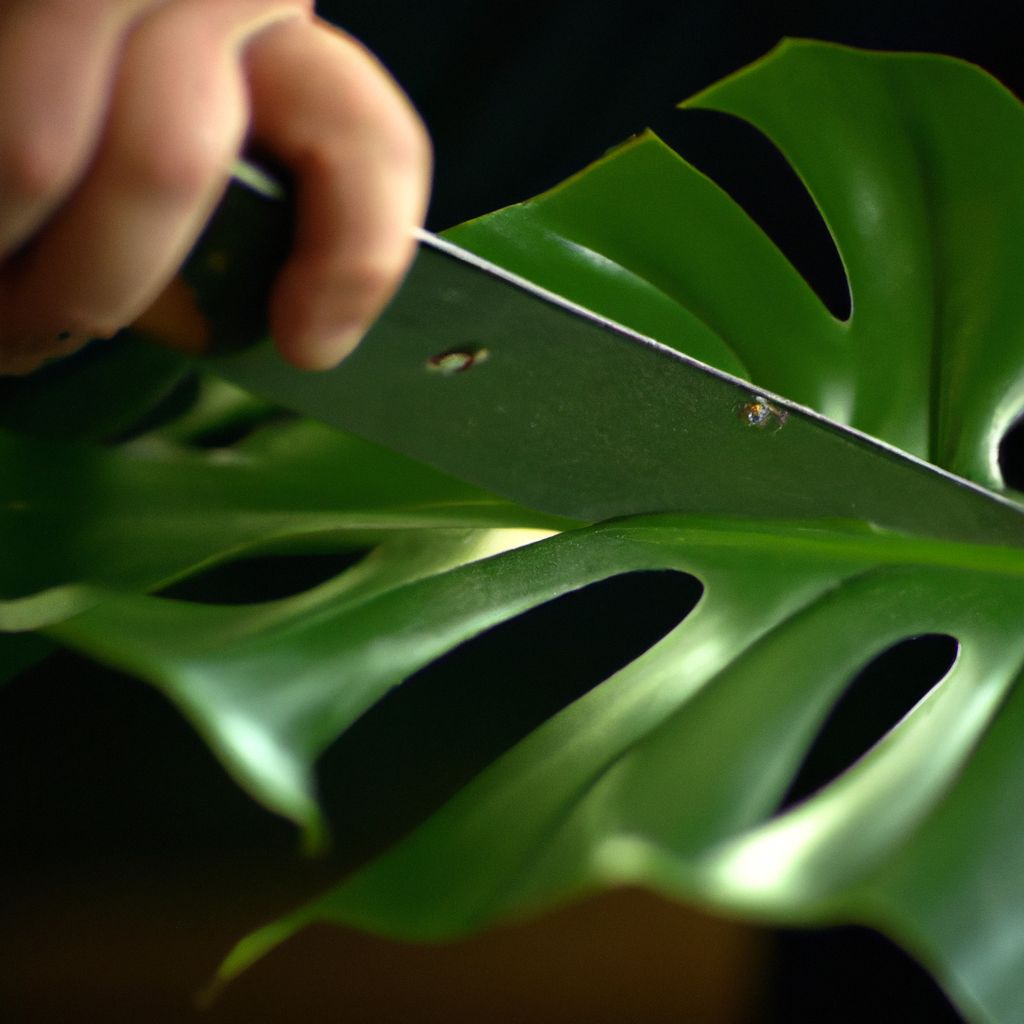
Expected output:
(130, 863)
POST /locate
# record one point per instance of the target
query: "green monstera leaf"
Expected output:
(670, 773)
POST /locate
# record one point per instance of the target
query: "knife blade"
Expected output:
(496, 380)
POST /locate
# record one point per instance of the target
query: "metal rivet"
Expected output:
(760, 413)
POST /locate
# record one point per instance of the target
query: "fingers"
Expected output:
(361, 160)
(123, 232)
(173, 123)
(102, 203)
(57, 59)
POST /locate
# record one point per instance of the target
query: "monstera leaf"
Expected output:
(671, 772)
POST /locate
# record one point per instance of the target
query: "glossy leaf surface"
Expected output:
(143, 514)
(669, 773)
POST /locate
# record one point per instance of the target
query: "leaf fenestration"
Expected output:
(669, 772)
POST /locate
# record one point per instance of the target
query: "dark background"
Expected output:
(132, 862)
(519, 97)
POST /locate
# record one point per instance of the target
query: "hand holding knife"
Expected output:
(119, 124)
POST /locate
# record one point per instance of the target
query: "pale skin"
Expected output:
(118, 126)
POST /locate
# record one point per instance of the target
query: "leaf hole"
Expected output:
(879, 696)
(182, 399)
(428, 737)
(757, 176)
(177, 401)
(850, 975)
(230, 434)
(1011, 455)
(261, 578)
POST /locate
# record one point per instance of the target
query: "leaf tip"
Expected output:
(245, 953)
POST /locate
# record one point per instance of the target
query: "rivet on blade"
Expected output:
(760, 413)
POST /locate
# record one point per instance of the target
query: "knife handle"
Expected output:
(218, 302)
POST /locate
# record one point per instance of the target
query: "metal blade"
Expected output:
(503, 384)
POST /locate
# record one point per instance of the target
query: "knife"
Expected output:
(502, 383)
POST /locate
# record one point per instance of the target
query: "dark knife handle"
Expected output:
(218, 303)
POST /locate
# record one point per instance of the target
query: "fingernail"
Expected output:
(322, 352)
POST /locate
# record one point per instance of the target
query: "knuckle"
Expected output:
(398, 139)
(34, 170)
(174, 167)
(411, 146)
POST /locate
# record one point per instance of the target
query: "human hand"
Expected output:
(119, 123)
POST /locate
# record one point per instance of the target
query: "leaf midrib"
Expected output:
(807, 538)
